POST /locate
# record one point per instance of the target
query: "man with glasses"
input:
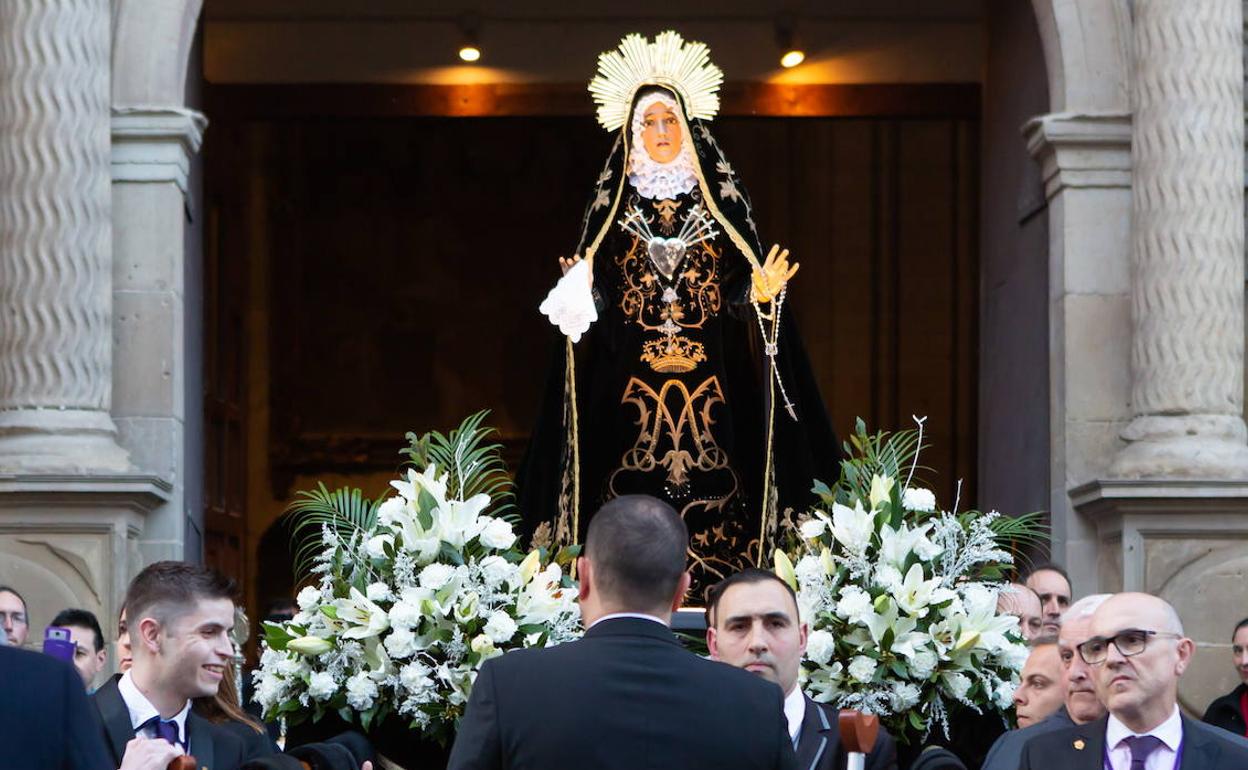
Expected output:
(1137, 651)
(14, 617)
(1080, 704)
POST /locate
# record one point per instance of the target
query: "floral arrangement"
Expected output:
(900, 596)
(411, 594)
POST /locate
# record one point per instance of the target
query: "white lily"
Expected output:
(896, 545)
(429, 481)
(853, 527)
(915, 595)
(363, 617)
(981, 626)
(458, 521)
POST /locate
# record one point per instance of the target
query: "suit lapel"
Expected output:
(1087, 745)
(199, 740)
(116, 718)
(815, 735)
(1198, 751)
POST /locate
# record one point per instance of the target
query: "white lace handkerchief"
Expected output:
(570, 305)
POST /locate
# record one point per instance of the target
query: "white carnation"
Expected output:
(1014, 656)
(889, 577)
(819, 646)
(289, 667)
(813, 527)
(405, 614)
(379, 592)
(361, 691)
(958, 684)
(1003, 695)
(497, 534)
(308, 598)
(500, 627)
(391, 510)
(415, 677)
(809, 570)
(903, 696)
(922, 664)
(855, 605)
(270, 690)
(917, 499)
(434, 576)
(862, 668)
(402, 643)
(376, 546)
(496, 570)
(322, 686)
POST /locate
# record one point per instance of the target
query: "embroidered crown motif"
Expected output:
(673, 355)
(669, 61)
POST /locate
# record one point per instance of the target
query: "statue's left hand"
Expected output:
(774, 275)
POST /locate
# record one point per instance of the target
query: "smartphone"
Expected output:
(56, 642)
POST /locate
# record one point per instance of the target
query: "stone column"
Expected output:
(55, 238)
(1187, 239)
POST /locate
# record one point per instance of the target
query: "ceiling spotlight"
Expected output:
(791, 53)
(469, 47)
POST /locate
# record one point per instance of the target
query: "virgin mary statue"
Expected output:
(681, 375)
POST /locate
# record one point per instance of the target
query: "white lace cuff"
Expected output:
(570, 305)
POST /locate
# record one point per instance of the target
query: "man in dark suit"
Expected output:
(45, 717)
(627, 695)
(1080, 704)
(1137, 652)
(752, 623)
(178, 615)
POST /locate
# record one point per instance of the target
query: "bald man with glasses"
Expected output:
(1137, 651)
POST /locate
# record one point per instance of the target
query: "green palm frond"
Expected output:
(345, 511)
(1022, 534)
(473, 464)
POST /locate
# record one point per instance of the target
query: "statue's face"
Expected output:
(660, 132)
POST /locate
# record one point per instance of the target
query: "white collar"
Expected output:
(795, 710)
(141, 709)
(1170, 731)
(639, 615)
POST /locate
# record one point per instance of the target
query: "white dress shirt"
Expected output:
(795, 711)
(141, 710)
(1163, 757)
(638, 615)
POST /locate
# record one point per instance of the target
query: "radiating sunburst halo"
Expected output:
(669, 61)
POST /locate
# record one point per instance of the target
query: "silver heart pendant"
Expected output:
(666, 254)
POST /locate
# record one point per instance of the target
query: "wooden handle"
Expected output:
(184, 762)
(858, 730)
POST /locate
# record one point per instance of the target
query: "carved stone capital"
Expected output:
(1081, 150)
(155, 144)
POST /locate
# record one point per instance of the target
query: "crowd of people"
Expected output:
(1099, 688)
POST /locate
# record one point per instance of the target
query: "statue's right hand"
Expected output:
(148, 754)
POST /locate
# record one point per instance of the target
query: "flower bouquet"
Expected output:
(900, 596)
(411, 594)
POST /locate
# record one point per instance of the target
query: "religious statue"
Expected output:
(681, 375)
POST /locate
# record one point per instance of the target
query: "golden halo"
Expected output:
(669, 61)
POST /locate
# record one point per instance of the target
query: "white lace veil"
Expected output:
(653, 179)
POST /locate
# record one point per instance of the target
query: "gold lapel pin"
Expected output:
(1079, 744)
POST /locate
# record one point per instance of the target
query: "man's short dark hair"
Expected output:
(81, 619)
(284, 608)
(20, 598)
(1047, 566)
(1241, 624)
(746, 576)
(167, 589)
(637, 546)
(1042, 641)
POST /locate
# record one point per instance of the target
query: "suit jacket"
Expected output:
(212, 747)
(45, 717)
(819, 743)
(1204, 748)
(625, 696)
(1008, 750)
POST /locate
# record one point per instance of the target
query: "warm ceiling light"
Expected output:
(791, 53)
(469, 47)
(792, 58)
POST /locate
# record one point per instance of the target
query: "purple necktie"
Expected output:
(1141, 746)
(167, 730)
